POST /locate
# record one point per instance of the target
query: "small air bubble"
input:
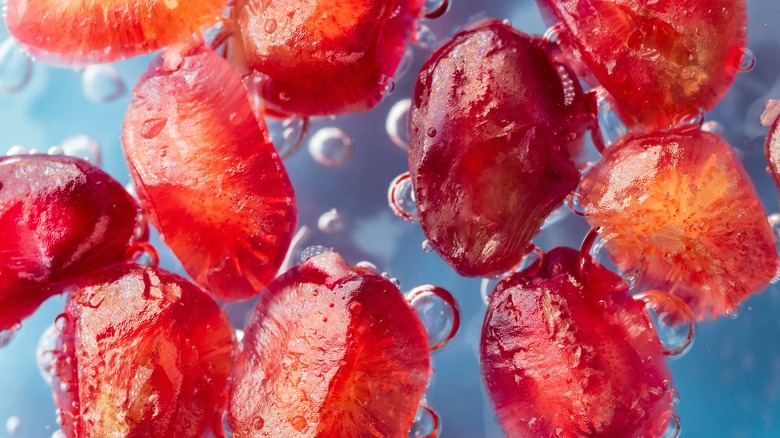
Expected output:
(553, 33)
(397, 123)
(438, 311)
(17, 150)
(15, 67)
(102, 83)
(747, 60)
(431, 132)
(142, 253)
(426, 423)
(435, 8)
(714, 127)
(673, 321)
(55, 150)
(330, 147)
(400, 197)
(733, 312)
(45, 353)
(81, 146)
(426, 246)
(674, 428)
(331, 222)
(575, 203)
(287, 135)
(424, 37)
(311, 251)
(13, 425)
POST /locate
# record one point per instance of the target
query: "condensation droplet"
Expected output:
(13, 425)
(771, 112)
(330, 147)
(438, 311)
(747, 60)
(15, 67)
(424, 37)
(142, 253)
(101, 83)
(81, 146)
(674, 428)
(593, 250)
(287, 135)
(435, 8)
(426, 423)
(45, 353)
(331, 222)
(17, 150)
(397, 123)
(673, 321)
(400, 197)
(311, 251)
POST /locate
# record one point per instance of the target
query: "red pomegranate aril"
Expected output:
(142, 352)
(491, 127)
(62, 218)
(207, 174)
(566, 352)
(331, 351)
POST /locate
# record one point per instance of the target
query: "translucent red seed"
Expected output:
(322, 57)
(207, 174)
(88, 31)
(681, 207)
(141, 352)
(565, 352)
(664, 61)
(490, 130)
(62, 218)
(330, 351)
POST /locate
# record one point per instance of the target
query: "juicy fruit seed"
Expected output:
(490, 131)
(331, 351)
(142, 352)
(105, 30)
(62, 218)
(681, 207)
(568, 353)
(322, 57)
(662, 61)
(207, 174)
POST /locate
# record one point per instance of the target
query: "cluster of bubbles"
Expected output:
(79, 146)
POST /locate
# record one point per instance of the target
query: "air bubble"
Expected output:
(610, 125)
(81, 146)
(367, 265)
(426, 423)
(486, 288)
(771, 113)
(58, 434)
(714, 127)
(575, 203)
(674, 428)
(55, 150)
(17, 150)
(330, 147)
(400, 197)
(287, 135)
(424, 37)
(15, 67)
(406, 62)
(689, 120)
(45, 353)
(733, 312)
(311, 251)
(675, 397)
(673, 321)
(553, 34)
(142, 253)
(101, 83)
(239, 335)
(438, 311)
(7, 335)
(13, 425)
(331, 222)
(593, 250)
(397, 123)
(747, 60)
(556, 216)
(389, 88)
(435, 8)
(426, 246)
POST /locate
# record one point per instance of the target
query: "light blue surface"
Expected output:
(729, 381)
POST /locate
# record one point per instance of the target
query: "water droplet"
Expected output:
(397, 123)
(575, 203)
(61, 322)
(771, 113)
(426, 423)
(331, 222)
(553, 33)
(733, 312)
(593, 250)
(81, 146)
(426, 246)
(45, 353)
(675, 397)
(299, 423)
(55, 150)
(714, 127)
(17, 150)
(438, 311)
(406, 62)
(400, 197)
(674, 428)
(287, 135)
(270, 26)
(367, 265)
(747, 60)
(101, 83)
(311, 251)
(435, 8)
(330, 147)
(673, 321)
(6, 336)
(424, 37)
(142, 253)
(152, 127)
(15, 67)
(13, 425)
